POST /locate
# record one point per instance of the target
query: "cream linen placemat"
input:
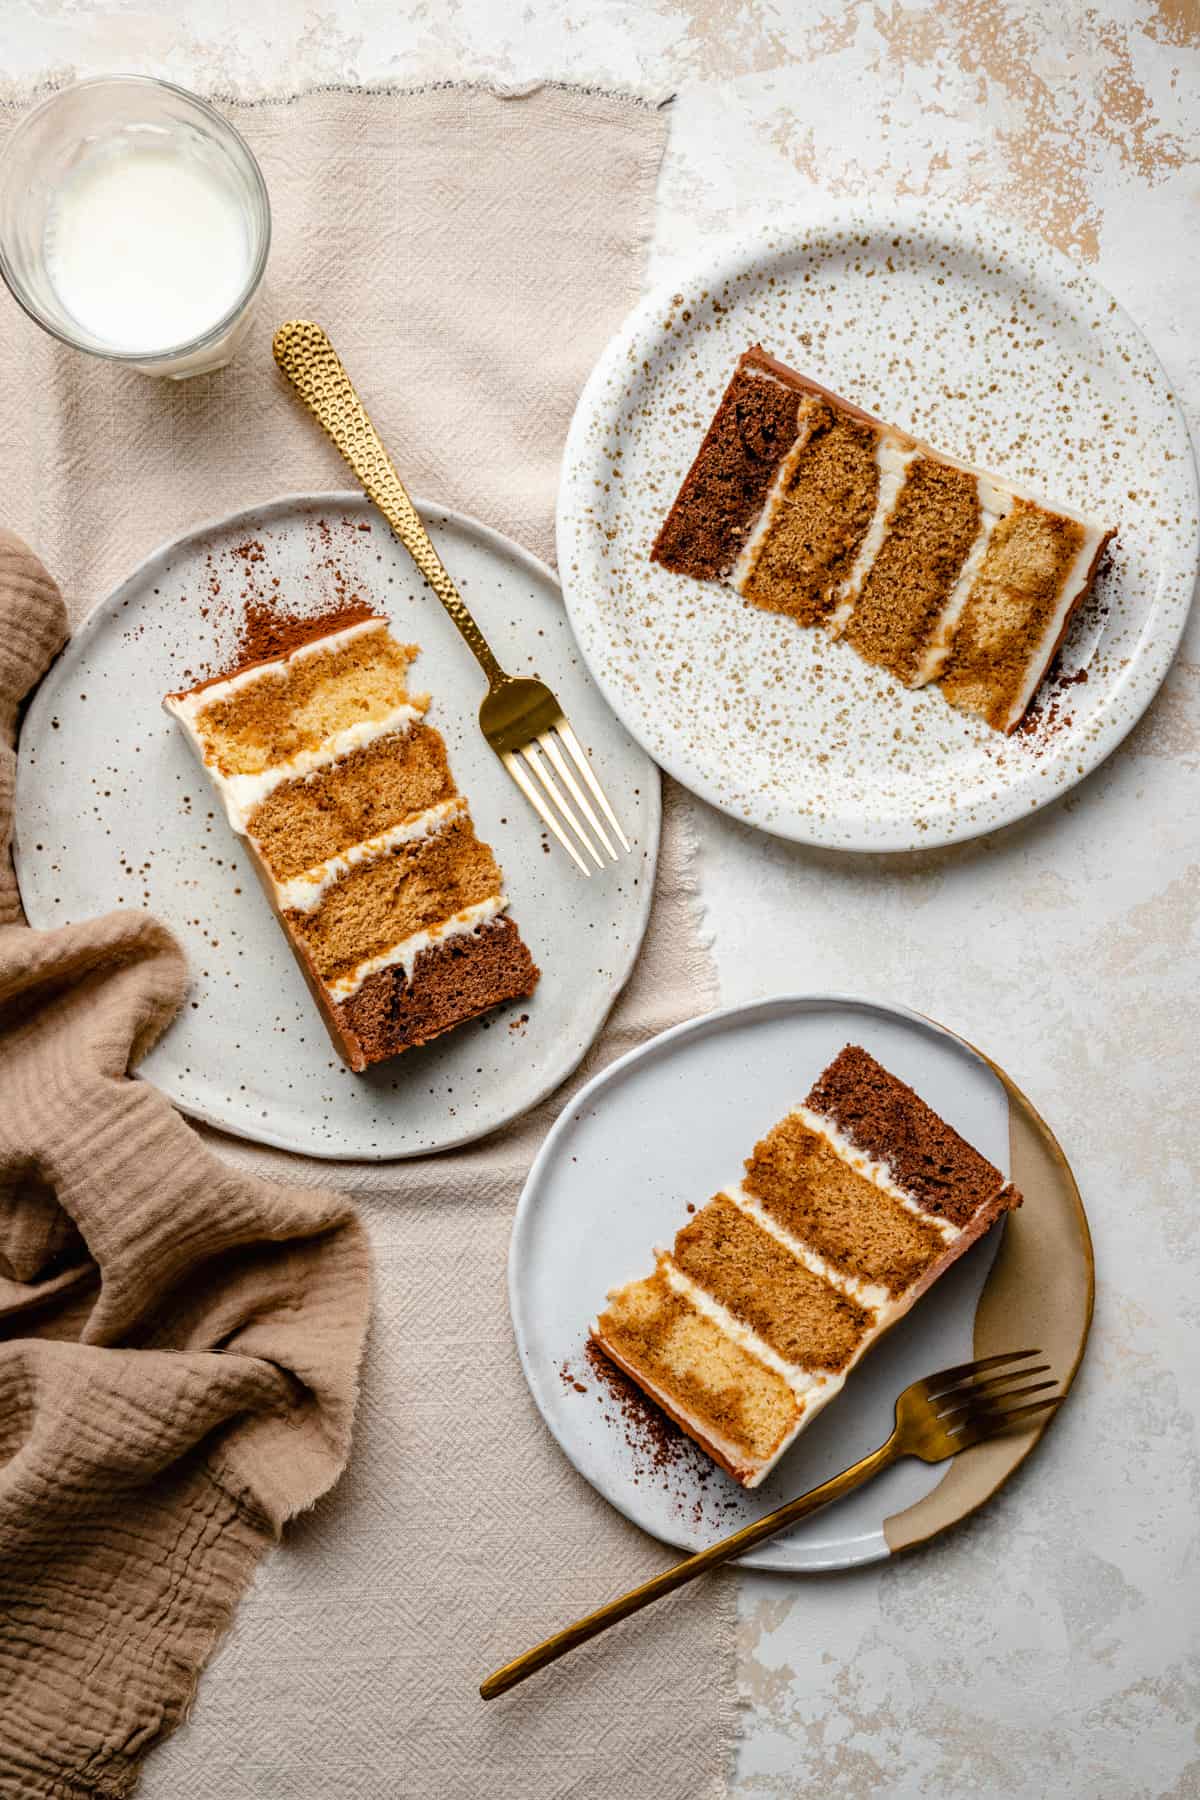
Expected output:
(470, 254)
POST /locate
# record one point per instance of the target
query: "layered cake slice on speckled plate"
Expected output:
(937, 572)
(325, 764)
(848, 1210)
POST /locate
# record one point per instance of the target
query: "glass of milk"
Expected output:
(134, 224)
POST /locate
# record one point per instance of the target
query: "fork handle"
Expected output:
(312, 365)
(682, 1572)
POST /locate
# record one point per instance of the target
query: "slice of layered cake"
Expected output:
(394, 909)
(849, 1209)
(807, 505)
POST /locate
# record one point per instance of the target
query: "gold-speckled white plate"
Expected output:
(113, 810)
(976, 336)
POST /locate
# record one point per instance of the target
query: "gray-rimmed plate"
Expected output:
(670, 1123)
(112, 810)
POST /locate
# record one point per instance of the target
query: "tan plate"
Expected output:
(1041, 1290)
(614, 1177)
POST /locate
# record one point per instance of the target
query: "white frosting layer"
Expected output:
(1073, 586)
(802, 1382)
(893, 455)
(404, 954)
(994, 505)
(880, 1173)
(871, 1295)
(756, 374)
(304, 893)
(242, 795)
(743, 568)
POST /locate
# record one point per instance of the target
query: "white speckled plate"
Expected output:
(670, 1123)
(974, 335)
(113, 810)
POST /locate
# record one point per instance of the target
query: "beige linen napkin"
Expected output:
(178, 1341)
(470, 254)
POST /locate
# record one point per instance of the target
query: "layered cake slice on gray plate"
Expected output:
(847, 1212)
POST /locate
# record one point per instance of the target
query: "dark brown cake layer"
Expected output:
(456, 980)
(724, 490)
(884, 1119)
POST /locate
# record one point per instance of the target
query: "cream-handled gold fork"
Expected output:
(519, 717)
(935, 1419)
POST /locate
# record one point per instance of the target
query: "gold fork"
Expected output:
(936, 1418)
(519, 717)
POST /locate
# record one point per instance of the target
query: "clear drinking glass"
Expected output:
(95, 133)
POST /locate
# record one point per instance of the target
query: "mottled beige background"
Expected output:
(1050, 1647)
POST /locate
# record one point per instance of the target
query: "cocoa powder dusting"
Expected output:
(661, 1452)
(248, 606)
(1050, 714)
(268, 632)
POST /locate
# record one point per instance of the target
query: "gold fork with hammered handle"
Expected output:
(520, 717)
(935, 1418)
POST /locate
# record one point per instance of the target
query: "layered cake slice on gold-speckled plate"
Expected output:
(938, 572)
(326, 766)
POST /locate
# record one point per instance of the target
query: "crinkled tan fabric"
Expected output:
(470, 255)
(179, 1342)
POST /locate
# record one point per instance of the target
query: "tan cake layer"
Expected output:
(697, 1368)
(1009, 610)
(930, 531)
(277, 715)
(804, 1318)
(302, 823)
(861, 1232)
(819, 518)
(753, 429)
(409, 889)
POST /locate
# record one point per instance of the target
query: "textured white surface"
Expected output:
(1050, 1648)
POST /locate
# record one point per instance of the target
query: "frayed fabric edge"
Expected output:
(17, 97)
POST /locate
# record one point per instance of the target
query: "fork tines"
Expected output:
(963, 1402)
(552, 805)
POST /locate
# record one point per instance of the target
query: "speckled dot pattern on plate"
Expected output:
(114, 810)
(972, 334)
